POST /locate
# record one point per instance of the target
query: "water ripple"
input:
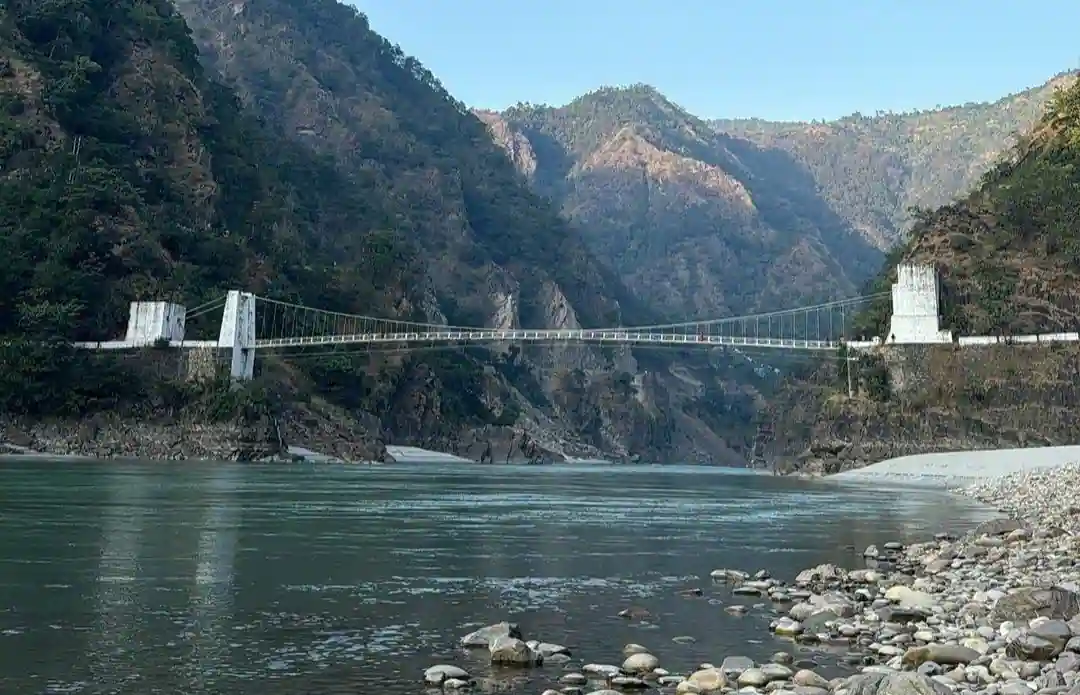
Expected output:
(124, 577)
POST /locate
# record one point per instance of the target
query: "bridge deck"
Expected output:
(140, 344)
(550, 336)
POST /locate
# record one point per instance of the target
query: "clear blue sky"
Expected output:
(776, 59)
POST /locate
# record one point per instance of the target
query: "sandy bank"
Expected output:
(961, 468)
(412, 454)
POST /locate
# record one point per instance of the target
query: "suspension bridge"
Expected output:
(251, 323)
(819, 327)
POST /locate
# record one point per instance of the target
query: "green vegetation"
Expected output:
(334, 171)
(729, 217)
(1009, 258)
(1009, 253)
(316, 70)
(126, 173)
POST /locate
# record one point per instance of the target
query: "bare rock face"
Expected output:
(349, 436)
(495, 444)
(650, 185)
(492, 256)
(518, 148)
(115, 437)
(504, 297)
(558, 312)
(879, 426)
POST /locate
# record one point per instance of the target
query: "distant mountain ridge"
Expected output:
(873, 169)
(714, 218)
(700, 223)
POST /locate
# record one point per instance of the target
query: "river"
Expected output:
(126, 577)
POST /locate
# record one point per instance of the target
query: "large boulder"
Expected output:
(708, 680)
(997, 527)
(834, 602)
(822, 574)
(734, 665)
(906, 597)
(1024, 605)
(512, 651)
(898, 683)
(1032, 648)
(1057, 631)
(436, 675)
(943, 654)
(640, 663)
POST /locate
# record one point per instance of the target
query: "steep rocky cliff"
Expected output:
(495, 253)
(923, 399)
(126, 174)
(343, 177)
(701, 223)
(1009, 260)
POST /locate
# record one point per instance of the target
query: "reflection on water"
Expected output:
(212, 592)
(200, 578)
(119, 600)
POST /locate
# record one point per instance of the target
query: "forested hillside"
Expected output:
(333, 171)
(317, 71)
(874, 169)
(1009, 258)
(127, 174)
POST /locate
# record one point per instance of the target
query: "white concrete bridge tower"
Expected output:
(916, 307)
(238, 334)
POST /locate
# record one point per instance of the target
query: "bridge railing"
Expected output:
(547, 336)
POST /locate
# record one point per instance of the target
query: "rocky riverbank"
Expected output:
(291, 437)
(994, 612)
(173, 438)
(110, 437)
(922, 399)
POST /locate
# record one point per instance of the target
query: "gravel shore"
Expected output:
(996, 612)
(961, 468)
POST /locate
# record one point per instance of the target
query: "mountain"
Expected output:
(307, 159)
(873, 169)
(701, 223)
(1008, 255)
(284, 147)
(707, 219)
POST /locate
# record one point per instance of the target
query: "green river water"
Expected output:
(128, 577)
